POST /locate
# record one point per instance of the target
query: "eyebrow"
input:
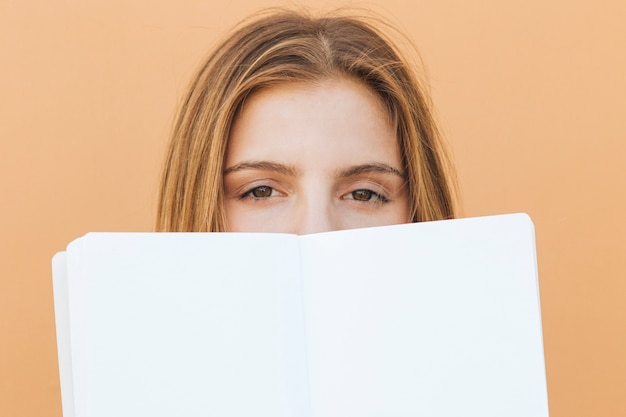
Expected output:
(374, 167)
(263, 166)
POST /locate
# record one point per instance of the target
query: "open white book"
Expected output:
(428, 319)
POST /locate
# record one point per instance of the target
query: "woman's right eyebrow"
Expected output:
(263, 166)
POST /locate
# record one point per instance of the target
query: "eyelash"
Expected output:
(250, 193)
(374, 197)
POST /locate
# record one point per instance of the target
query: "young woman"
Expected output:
(301, 124)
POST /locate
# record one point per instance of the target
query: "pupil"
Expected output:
(262, 192)
(362, 195)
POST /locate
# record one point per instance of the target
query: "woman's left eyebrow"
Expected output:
(374, 167)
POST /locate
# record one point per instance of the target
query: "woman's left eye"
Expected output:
(365, 195)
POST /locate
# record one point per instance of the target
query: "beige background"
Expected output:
(531, 95)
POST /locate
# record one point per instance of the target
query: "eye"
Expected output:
(365, 195)
(260, 192)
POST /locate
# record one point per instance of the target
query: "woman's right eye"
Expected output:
(260, 192)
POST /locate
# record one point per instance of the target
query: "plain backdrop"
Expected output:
(530, 94)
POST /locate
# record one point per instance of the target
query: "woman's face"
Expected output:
(306, 158)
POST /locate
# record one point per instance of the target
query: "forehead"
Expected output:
(339, 92)
(328, 120)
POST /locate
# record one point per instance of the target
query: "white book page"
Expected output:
(188, 325)
(431, 319)
(62, 319)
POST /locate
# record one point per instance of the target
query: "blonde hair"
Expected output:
(283, 46)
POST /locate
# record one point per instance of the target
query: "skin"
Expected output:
(308, 158)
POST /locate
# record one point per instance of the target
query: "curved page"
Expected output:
(430, 319)
(186, 325)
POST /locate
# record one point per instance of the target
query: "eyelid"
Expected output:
(250, 193)
(245, 190)
(246, 183)
(378, 197)
(383, 193)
